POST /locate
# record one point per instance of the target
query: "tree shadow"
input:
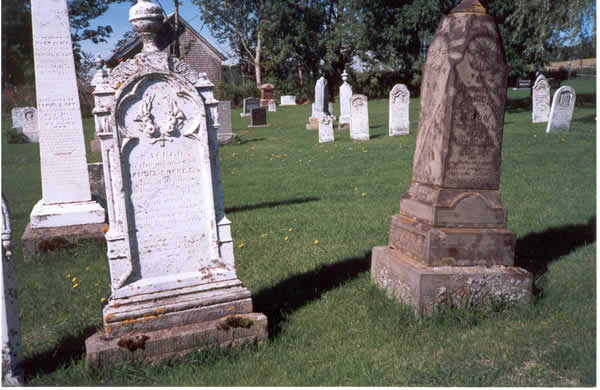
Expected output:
(584, 99)
(373, 136)
(587, 119)
(516, 105)
(290, 294)
(536, 250)
(274, 203)
(375, 127)
(70, 349)
(247, 141)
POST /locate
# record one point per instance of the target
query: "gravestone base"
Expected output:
(43, 240)
(313, 123)
(427, 288)
(224, 138)
(66, 214)
(267, 125)
(244, 115)
(394, 132)
(95, 145)
(228, 331)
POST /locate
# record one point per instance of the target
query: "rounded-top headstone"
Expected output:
(146, 19)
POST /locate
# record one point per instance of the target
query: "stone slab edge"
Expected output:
(225, 332)
(42, 240)
(423, 287)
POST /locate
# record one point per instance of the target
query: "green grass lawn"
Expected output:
(329, 324)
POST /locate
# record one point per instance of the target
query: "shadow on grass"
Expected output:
(246, 141)
(373, 136)
(584, 99)
(271, 204)
(586, 119)
(536, 250)
(70, 349)
(290, 294)
(515, 105)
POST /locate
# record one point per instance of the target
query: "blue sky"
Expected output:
(117, 17)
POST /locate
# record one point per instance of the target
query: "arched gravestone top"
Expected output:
(540, 96)
(399, 100)
(561, 112)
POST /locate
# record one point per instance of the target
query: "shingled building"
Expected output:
(187, 44)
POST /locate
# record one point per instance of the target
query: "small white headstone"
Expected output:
(288, 100)
(272, 105)
(25, 121)
(326, 129)
(561, 112)
(12, 351)
(321, 105)
(345, 96)
(399, 102)
(540, 94)
(359, 118)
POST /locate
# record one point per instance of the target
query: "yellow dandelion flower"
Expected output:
(241, 245)
(286, 238)
(364, 194)
(355, 188)
(87, 268)
(75, 285)
(74, 279)
(103, 299)
(290, 229)
(67, 275)
(316, 242)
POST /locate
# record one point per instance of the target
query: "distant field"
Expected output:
(575, 64)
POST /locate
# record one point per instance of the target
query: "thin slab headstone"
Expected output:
(321, 105)
(345, 96)
(174, 286)
(248, 105)
(12, 350)
(258, 117)
(225, 132)
(449, 243)
(326, 129)
(66, 198)
(288, 100)
(272, 106)
(561, 112)
(540, 95)
(359, 118)
(399, 101)
(25, 121)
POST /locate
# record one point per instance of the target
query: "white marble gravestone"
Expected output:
(170, 250)
(359, 118)
(399, 102)
(540, 95)
(288, 100)
(561, 112)
(225, 133)
(345, 96)
(272, 105)
(25, 121)
(248, 105)
(66, 198)
(12, 351)
(321, 105)
(326, 129)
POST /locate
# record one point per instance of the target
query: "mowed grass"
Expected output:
(329, 324)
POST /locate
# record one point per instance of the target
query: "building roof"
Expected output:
(134, 45)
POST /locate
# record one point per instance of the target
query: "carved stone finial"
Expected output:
(99, 62)
(471, 6)
(146, 19)
(345, 76)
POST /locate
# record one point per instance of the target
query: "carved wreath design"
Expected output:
(148, 126)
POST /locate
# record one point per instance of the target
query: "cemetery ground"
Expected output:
(305, 217)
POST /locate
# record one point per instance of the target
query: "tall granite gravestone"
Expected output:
(449, 243)
(359, 118)
(540, 95)
(258, 117)
(266, 94)
(25, 121)
(321, 104)
(224, 133)
(561, 112)
(174, 287)
(345, 96)
(66, 210)
(399, 101)
(288, 100)
(326, 129)
(272, 105)
(12, 352)
(248, 105)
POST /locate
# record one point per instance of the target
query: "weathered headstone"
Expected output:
(321, 104)
(288, 100)
(12, 351)
(224, 133)
(561, 112)
(540, 95)
(174, 287)
(248, 105)
(359, 118)
(272, 105)
(100, 77)
(449, 243)
(258, 117)
(326, 129)
(266, 94)
(399, 102)
(66, 198)
(345, 96)
(25, 121)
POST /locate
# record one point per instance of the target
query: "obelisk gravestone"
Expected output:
(449, 242)
(345, 96)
